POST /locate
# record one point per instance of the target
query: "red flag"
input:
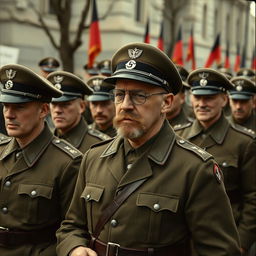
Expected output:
(253, 65)
(191, 50)
(160, 43)
(238, 59)
(227, 62)
(147, 35)
(95, 40)
(215, 54)
(177, 55)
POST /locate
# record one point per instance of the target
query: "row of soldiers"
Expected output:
(185, 190)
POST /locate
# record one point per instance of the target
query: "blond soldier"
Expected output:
(159, 182)
(233, 147)
(37, 170)
(66, 111)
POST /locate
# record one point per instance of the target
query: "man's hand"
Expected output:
(82, 251)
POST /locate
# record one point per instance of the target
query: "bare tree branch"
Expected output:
(110, 7)
(44, 26)
(77, 41)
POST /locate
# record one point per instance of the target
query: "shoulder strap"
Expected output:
(114, 205)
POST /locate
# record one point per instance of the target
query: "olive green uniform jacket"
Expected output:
(110, 131)
(235, 152)
(250, 123)
(37, 185)
(180, 120)
(81, 137)
(180, 181)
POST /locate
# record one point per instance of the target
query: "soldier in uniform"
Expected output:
(247, 72)
(241, 103)
(66, 111)
(146, 191)
(233, 148)
(38, 171)
(48, 65)
(101, 105)
(91, 71)
(177, 115)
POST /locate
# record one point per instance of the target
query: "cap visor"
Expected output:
(8, 98)
(112, 79)
(205, 92)
(64, 98)
(240, 96)
(99, 98)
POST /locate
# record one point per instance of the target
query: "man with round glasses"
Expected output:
(146, 191)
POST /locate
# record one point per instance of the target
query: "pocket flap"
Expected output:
(35, 190)
(92, 192)
(158, 202)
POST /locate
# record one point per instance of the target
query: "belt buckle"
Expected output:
(112, 249)
(4, 229)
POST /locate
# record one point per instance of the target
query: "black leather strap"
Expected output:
(114, 205)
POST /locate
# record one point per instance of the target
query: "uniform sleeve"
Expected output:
(247, 221)
(73, 231)
(209, 215)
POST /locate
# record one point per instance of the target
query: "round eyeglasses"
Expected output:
(137, 97)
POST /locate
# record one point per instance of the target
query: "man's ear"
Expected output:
(45, 109)
(167, 103)
(82, 105)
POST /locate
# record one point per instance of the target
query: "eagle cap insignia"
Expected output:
(58, 80)
(10, 74)
(203, 81)
(134, 53)
(239, 85)
(96, 84)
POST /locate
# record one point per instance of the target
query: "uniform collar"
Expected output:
(217, 131)
(160, 148)
(33, 150)
(76, 135)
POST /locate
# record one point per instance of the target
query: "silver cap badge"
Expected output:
(58, 80)
(10, 73)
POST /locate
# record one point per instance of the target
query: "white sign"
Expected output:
(8, 55)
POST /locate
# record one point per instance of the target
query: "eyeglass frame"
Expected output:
(134, 93)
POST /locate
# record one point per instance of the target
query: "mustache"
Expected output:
(123, 116)
(203, 109)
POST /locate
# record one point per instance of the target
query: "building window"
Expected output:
(140, 11)
(204, 23)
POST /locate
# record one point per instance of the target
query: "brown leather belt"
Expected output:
(113, 249)
(10, 238)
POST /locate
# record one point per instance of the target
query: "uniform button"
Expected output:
(4, 210)
(57, 141)
(7, 183)
(113, 223)
(33, 193)
(224, 164)
(18, 154)
(156, 207)
(203, 136)
(88, 197)
(129, 166)
(182, 141)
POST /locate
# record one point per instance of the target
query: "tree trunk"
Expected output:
(67, 58)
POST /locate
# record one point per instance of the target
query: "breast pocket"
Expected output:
(231, 173)
(36, 203)
(161, 210)
(92, 195)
